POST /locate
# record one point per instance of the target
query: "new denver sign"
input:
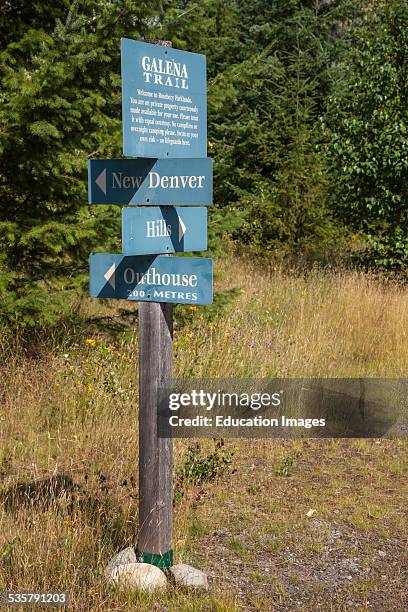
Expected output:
(150, 181)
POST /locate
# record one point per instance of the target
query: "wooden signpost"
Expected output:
(164, 117)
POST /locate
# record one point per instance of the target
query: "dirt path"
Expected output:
(332, 535)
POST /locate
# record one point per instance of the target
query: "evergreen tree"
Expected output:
(264, 125)
(60, 105)
(368, 133)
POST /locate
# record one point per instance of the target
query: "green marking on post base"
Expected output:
(163, 561)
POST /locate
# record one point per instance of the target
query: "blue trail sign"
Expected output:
(181, 280)
(164, 101)
(162, 182)
(167, 229)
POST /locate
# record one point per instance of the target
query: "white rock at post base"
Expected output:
(127, 555)
(187, 576)
(140, 576)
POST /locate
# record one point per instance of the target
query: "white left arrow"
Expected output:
(182, 228)
(110, 276)
(101, 181)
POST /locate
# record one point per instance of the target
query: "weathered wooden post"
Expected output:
(155, 534)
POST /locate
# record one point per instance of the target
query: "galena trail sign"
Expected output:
(162, 182)
(167, 229)
(178, 280)
(164, 101)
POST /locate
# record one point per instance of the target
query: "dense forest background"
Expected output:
(307, 128)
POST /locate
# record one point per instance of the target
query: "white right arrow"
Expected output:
(110, 275)
(182, 228)
(101, 181)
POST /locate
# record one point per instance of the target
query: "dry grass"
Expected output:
(73, 419)
(326, 325)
